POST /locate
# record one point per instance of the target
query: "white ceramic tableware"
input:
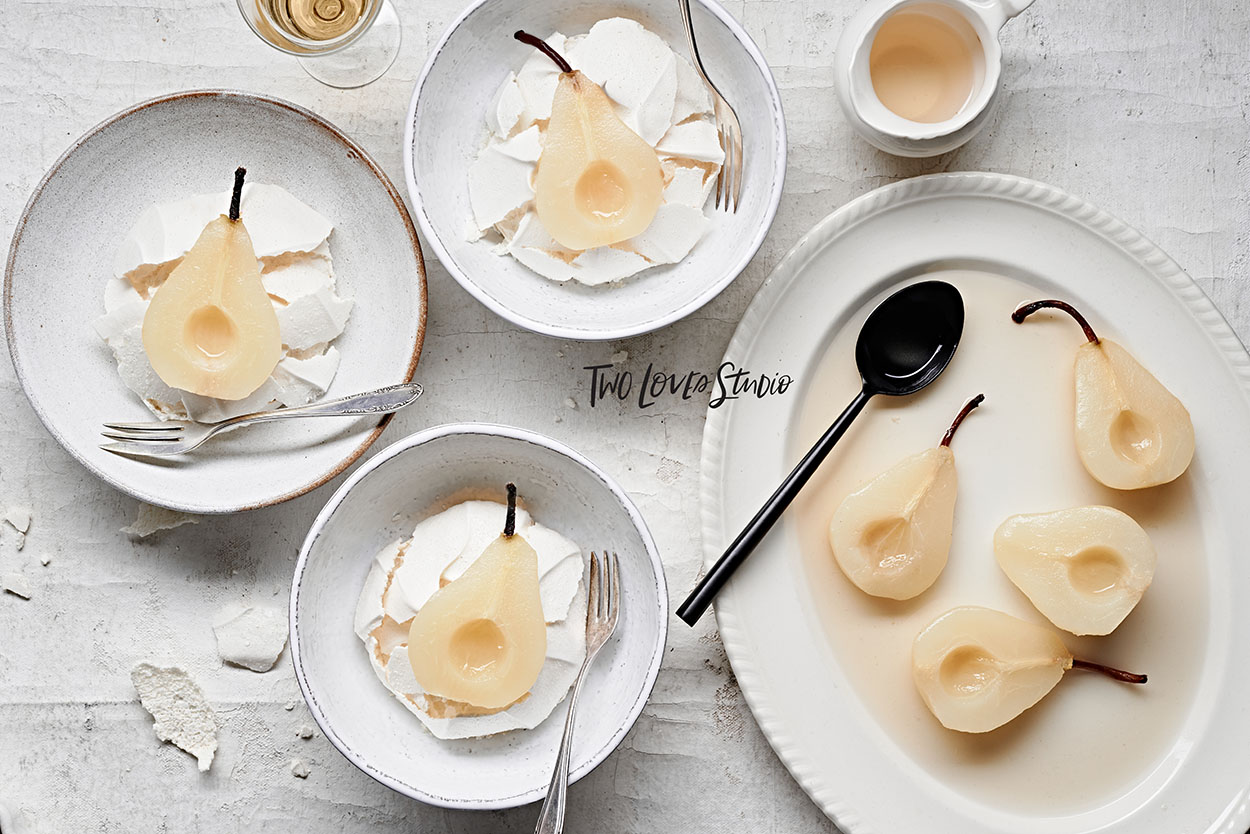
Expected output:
(977, 20)
(417, 477)
(446, 127)
(173, 147)
(825, 668)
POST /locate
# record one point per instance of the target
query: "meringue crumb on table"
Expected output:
(252, 638)
(181, 714)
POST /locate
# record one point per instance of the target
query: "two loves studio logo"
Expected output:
(608, 383)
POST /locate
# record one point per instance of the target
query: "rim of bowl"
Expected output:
(340, 495)
(249, 98)
(878, 117)
(567, 332)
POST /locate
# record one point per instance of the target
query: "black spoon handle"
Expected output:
(750, 537)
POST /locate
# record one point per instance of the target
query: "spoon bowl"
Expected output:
(905, 344)
(910, 338)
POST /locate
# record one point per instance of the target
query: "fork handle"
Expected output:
(551, 817)
(684, 6)
(379, 401)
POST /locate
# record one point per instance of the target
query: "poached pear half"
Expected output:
(977, 668)
(482, 638)
(1131, 431)
(892, 537)
(1084, 568)
(598, 182)
(210, 328)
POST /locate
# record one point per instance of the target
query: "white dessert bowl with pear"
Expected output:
(489, 194)
(436, 641)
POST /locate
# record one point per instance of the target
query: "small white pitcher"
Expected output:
(886, 129)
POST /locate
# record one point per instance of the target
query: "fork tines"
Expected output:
(604, 595)
(729, 131)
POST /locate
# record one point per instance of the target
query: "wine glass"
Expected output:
(342, 43)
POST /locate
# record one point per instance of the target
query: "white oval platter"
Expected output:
(825, 669)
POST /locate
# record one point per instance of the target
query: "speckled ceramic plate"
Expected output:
(165, 149)
(826, 669)
(413, 479)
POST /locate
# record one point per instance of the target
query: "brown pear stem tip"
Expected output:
(543, 47)
(1114, 674)
(960, 417)
(237, 194)
(509, 524)
(1025, 310)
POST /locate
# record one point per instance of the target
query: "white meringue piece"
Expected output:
(300, 381)
(181, 714)
(369, 609)
(526, 146)
(635, 68)
(299, 275)
(689, 187)
(507, 107)
(276, 222)
(136, 371)
(251, 638)
(671, 236)
(498, 185)
(213, 410)
(693, 97)
(152, 519)
(18, 518)
(119, 292)
(697, 141)
(313, 319)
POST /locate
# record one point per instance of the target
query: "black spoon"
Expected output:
(904, 345)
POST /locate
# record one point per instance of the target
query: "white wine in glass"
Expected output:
(342, 43)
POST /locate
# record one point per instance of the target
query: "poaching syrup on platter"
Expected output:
(1089, 741)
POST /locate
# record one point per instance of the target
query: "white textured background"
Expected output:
(1138, 106)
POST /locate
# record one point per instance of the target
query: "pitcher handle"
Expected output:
(997, 12)
(1013, 7)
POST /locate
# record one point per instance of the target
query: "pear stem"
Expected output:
(1115, 674)
(1026, 310)
(959, 418)
(543, 47)
(509, 524)
(237, 194)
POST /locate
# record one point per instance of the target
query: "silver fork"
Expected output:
(728, 128)
(164, 438)
(603, 607)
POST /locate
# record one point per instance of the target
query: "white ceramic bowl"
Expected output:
(165, 149)
(413, 479)
(446, 127)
